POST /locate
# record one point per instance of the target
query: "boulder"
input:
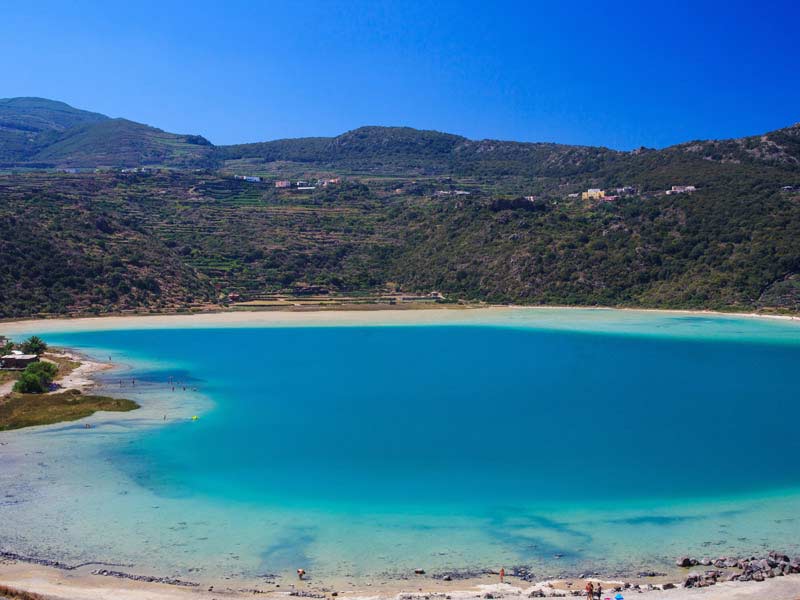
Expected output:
(683, 561)
(778, 557)
(692, 580)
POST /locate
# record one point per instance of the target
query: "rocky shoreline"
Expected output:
(722, 569)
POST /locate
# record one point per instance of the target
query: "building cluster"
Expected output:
(451, 193)
(125, 170)
(307, 185)
(681, 189)
(607, 195)
(17, 360)
(593, 194)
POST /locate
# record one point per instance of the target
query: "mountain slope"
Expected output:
(36, 132)
(123, 143)
(27, 124)
(780, 148)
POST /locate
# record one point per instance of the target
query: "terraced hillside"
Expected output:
(174, 240)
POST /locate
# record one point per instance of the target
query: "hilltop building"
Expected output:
(593, 194)
(283, 183)
(681, 189)
(626, 191)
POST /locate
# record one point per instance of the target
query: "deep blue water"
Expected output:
(559, 439)
(463, 419)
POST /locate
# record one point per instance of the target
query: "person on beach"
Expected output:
(599, 591)
(502, 574)
(589, 589)
(301, 573)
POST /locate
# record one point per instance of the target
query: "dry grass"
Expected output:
(12, 594)
(27, 410)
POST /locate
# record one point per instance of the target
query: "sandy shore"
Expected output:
(66, 585)
(443, 315)
(80, 378)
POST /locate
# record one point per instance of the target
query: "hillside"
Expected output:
(40, 133)
(414, 211)
(123, 143)
(27, 125)
(406, 151)
(167, 241)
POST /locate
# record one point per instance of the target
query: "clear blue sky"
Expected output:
(618, 74)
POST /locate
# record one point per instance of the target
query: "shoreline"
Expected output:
(391, 308)
(331, 317)
(97, 581)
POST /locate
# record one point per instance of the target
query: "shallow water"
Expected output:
(569, 440)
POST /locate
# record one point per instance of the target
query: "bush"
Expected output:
(29, 383)
(36, 378)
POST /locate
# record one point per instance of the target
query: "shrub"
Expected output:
(36, 378)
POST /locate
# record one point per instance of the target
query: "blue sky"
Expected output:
(617, 74)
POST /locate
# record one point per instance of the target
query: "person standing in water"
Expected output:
(502, 574)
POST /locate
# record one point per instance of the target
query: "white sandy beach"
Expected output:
(65, 585)
(288, 318)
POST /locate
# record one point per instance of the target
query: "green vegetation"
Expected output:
(36, 378)
(27, 410)
(182, 240)
(34, 345)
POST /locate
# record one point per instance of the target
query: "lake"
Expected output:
(563, 440)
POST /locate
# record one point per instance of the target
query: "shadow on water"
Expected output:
(674, 519)
(531, 536)
(289, 551)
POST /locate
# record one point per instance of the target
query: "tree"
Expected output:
(34, 345)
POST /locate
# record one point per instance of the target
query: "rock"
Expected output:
(683, 561)
(706, 562)
(692, 580)
(447, 578)
(419, 571)
(668, 586)
(778, 557)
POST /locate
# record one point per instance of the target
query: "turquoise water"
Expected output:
(377, 449)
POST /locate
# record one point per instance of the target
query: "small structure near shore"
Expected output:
(17, 360)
